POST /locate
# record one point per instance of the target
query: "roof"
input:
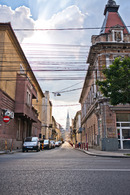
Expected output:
(8, 27)
(112, 18)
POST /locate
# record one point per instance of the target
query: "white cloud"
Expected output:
(20, 18)
(71, 17)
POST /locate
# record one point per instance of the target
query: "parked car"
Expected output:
(57, 144)
(31, 143)
(47, 144)
(60, 142)
(52, 144)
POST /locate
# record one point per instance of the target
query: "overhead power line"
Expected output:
(65, 29)
(68, 87)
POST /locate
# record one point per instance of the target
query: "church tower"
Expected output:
(113, 20)
(68, 123)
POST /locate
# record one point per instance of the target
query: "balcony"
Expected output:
(22, 106)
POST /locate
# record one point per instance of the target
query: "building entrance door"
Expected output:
(123, 130)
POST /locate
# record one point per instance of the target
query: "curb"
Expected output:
(9, 152)
(102, 155)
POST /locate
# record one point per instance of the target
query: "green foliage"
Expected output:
(116, 86)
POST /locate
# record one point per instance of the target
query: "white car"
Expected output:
(57, 144)
(31, 143)
(52, 144)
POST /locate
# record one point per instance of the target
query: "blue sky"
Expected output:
(43, 14)
(49, 7)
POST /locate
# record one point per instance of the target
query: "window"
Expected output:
(22, 71)
(107, 61)
(118, 35)
(28, 98)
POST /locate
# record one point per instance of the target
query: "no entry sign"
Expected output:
(6, 119)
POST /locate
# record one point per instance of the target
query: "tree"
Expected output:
(116, 86)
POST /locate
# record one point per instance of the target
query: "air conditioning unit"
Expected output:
(9, 113)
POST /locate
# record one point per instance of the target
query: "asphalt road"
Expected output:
(63, 171)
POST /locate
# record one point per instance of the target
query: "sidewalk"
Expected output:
(10, 152)
(113, 154)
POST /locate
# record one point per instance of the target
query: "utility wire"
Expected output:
(66, 29)
(68, 87)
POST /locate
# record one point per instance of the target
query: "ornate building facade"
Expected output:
(105, 126)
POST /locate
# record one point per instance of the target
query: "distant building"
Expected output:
(76, 129)
(47, 116)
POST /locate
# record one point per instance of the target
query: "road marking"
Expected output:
(112, 170)
(89, 170)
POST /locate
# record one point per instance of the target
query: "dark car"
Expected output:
(47, 144)
(31, 143)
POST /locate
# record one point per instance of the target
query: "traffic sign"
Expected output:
(6, 119)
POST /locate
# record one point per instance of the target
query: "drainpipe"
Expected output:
(104, 118)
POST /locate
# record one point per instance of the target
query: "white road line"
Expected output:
(112, 170)
(89, 170)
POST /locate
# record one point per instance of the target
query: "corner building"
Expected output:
(105, 126)
(20, 93)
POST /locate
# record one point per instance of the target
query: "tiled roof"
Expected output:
(113, 19)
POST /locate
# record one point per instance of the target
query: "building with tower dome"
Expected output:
(105, 126)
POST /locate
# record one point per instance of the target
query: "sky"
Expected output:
(58, 57)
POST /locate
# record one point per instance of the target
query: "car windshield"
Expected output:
(34, 139)
(28, 139)
(45, 141)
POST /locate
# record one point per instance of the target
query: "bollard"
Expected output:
(87, 146)
(42, 146)
(5, 145)
(11, 145)
(84, 146)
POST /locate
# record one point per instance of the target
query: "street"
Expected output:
(63, 171)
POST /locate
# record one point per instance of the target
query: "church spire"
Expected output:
(112, 18)
(68, 122)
